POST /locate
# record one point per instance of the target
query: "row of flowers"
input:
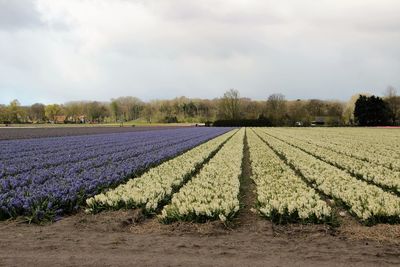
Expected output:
(368, 171)
(355, 150)
(367, 202)
(373, 145)
(213, 193)
(282, 196)
(159, 183)
(46, 191)
(87, 153)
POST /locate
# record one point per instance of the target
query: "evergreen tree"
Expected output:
(371, 111)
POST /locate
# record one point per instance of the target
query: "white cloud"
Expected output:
(98, 49)
(18, 14)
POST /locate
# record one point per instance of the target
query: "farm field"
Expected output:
(216, 196)
(44, 178)
(9, 133)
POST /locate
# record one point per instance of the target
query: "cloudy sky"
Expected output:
(61, 50)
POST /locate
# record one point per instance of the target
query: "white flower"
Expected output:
(214, 191)
(364, 200)
(279, 189)
(157, 183)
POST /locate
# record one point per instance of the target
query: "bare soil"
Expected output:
(125, 238)
(24, 133)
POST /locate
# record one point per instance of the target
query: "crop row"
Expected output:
(368, 202)
(281, 194)
(351, 149)
(159, 183)
(372, 141)
(213, 192)
(51, 191)
(377, 174)
(91, 151)
(40, 176)
(357, 147)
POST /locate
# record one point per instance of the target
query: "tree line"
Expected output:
(276, 110)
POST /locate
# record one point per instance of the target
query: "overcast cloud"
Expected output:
(56, 51)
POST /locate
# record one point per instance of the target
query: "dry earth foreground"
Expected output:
(203, 197)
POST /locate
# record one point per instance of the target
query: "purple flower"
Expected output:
(46, 176)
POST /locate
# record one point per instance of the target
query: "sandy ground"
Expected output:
(121, 238)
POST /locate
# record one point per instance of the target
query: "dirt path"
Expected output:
(247, 217)
(106, 240)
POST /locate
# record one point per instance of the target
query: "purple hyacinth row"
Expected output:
(46, 177)
(72, 154)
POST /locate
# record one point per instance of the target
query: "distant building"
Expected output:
(326, 120)
(60, 119)
(320, 120)
(82, 118)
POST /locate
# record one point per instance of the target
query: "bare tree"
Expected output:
(276, 108)
(316, 107)
(37, 112)
(250, 109)
(393, 101)
(97, 111)
(75, 109)
(297, 112)
(230, 105)
(129, 106)
(52, 111)
(15, 111)
(115, 110)
(148, 112)
(4, 114)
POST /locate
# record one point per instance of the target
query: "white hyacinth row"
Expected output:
(157, 184)
(213, 193)
(367, 202)
(368, 171)
(355, 150)
(282, 195)
(373, 145)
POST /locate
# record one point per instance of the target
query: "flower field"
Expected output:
(47, 177)
(367, 202)
(282, 195)
(214, 192)
(157, 184)
(304, 175)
